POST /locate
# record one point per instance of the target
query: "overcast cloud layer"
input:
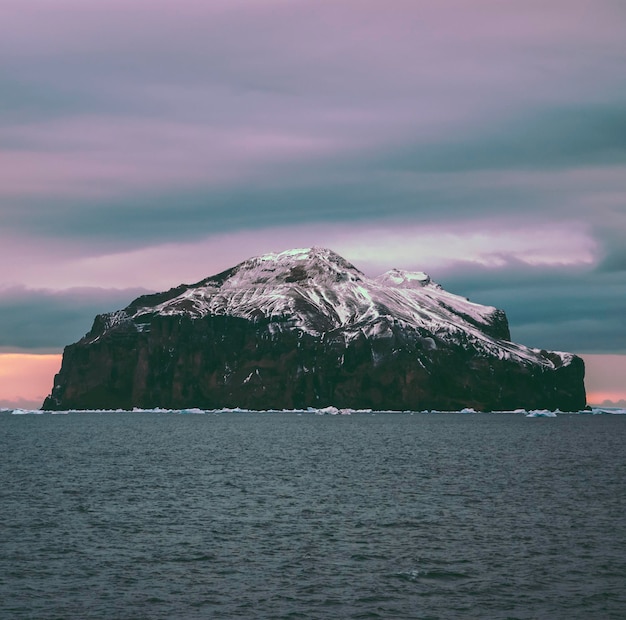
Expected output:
(147, 143)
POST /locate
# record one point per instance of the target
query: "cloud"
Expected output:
(374, 246)
(127, 154)
(570, 309)
(479, 138)
(484, 243)
(364, 71)
(243, 41)
(218, 116)
(611, 226)
(42, 320)
(548, 138)
(308, 195)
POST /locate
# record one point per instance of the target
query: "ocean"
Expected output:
(160, 515)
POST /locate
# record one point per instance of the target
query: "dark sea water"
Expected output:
(268, 515)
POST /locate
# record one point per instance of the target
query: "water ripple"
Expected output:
(280, 516)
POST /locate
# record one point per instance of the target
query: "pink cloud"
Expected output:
(406, 64)
(217, 92)
(373, 246)
(370, 21)
(88, 156)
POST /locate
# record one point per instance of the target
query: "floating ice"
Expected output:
(328, 411)
(543, 413)
(606, 410)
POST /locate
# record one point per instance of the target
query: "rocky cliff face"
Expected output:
(306, 328)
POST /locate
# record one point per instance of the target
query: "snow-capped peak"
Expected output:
(274, 273)
(298, 265)
(320, 291)
(405, 279)
(315, 290)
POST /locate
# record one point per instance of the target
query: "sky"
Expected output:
(145, 143)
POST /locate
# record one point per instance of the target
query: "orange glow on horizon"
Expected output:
(607, 398)
(605, 378)
(26, 379)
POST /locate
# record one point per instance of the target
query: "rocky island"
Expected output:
(305, 328)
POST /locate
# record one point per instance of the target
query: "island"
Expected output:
(305, 328)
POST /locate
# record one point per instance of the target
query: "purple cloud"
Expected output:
(191, 135)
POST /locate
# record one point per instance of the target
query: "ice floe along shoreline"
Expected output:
(530, 413)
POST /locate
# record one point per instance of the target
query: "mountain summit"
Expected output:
(306, 328)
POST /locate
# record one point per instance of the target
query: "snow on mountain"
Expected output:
(316, 291)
